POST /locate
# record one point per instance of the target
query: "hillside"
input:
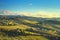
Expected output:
(36, 27)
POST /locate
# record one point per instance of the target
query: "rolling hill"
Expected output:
(36, 27)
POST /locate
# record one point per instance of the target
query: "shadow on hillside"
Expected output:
(46, 35)
(16, 32)
(19, 32)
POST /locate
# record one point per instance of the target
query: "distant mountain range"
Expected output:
(42, 14)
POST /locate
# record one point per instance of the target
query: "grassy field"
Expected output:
(14, 27)
(6, 37)
(23, 38)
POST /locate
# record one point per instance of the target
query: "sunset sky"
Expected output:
(44, 8)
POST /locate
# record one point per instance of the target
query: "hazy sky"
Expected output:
(47, 6)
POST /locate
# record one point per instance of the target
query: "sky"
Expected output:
(27, 7)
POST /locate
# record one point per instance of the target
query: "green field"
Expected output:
(23, 38)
